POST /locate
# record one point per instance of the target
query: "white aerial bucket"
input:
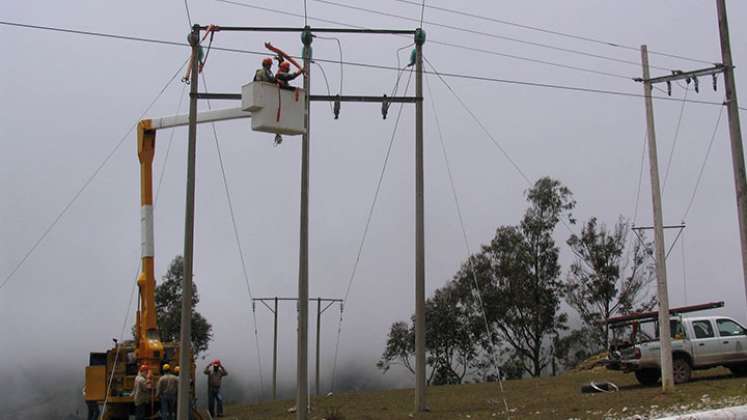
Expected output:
(274, 110)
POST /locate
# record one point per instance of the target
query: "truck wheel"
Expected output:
(681, 370)
(738, 370)
(647, 377)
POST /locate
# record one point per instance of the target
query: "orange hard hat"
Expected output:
(284, 65)
(267, 61)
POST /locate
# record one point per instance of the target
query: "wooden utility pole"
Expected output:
(185, 332)
(665, 337)
(420, 382)
(735, 133)
(302, 365)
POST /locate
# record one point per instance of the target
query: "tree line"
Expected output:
(502, 312)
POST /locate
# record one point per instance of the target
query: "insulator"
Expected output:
(697, 87)
(715, 84)
(384, 107)
(669, 88)
(337, 107)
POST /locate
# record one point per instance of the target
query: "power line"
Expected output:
(676, 137)
(376, 195)
(189, 16)
(442, 43)
(487, 34)
(137, 267)
(552, 32)
(371, 65)
(481, 125)
(640, 179)
(89, 180)
(238, 240)
(422, 13)
(476, 286)
(702, 166)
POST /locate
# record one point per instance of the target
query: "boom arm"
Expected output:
(149, 346)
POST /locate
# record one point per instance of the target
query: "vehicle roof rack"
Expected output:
(653, 315)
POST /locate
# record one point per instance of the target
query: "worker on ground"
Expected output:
(141, 390)
(265, 73)
(166, 389)
(215, 372)
(284, 75)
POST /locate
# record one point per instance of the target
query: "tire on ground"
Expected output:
(681, 370)
(647, 377)
(738, 370)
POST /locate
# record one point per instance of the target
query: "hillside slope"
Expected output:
(544, 398)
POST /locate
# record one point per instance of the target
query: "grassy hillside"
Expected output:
(545, 398)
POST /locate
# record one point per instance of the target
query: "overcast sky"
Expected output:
(68, 99)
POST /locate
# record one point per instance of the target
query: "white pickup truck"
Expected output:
(697, 343)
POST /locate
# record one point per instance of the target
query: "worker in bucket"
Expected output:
(284, 75)
(141, 391)
(166, 389)
(265, 73)
(215, 372)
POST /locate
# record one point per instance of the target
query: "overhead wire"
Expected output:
(483, 33)
(480, 124)
(703, 165)
(640, 179)
(552, 32)
(674, 142)
(88, 180)
(367, 225)
(189, 16)
(156, 197)
(237, 238)
(476, 286)
(437, 42)
(503, 151)
(339, 49)
(375, 66)
(422, 13)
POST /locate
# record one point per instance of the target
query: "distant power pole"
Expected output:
(735, 133)
(274, 310)
(665, 337)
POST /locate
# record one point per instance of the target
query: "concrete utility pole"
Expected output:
(185, 343)
(302, 366)
(735, 133)
(303, 270)
(275, 351)
(420, 382)
(665, 337)
(274, 310)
